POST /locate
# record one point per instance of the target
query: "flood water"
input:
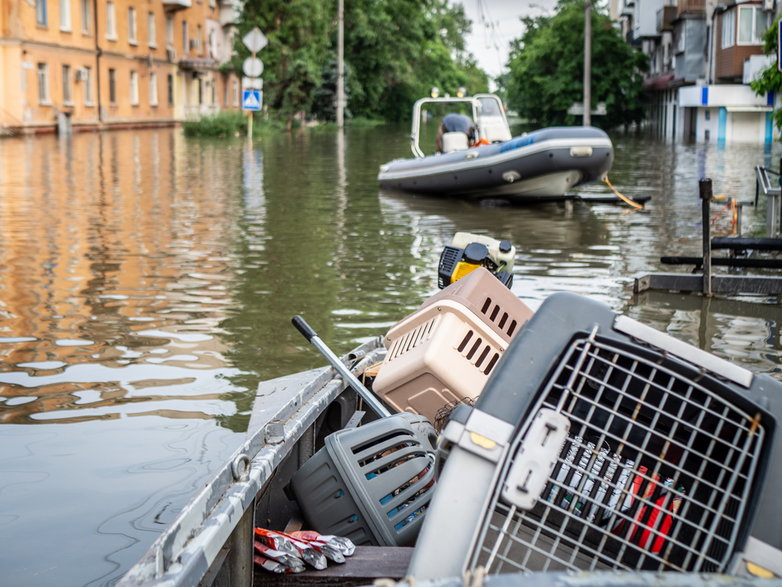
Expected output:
(147, 283)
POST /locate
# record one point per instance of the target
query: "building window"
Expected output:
(235, 92)
(67, 97)
(87, 80)
(134, 88)
(43, 84)
(65, 15)
(212, 42)
(41, 17)
(728, 28)
(170, 89)
(132, 26)
(169, 30)
(113, 86)
(153, 89)
(151, 30)
(752, 25)
(111, 22)
(184, 36)
(86, 16)
(197, 40)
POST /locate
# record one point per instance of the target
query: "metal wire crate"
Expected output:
(659, 464)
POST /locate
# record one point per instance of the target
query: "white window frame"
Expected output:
(153, 101)
(88, 87)
(42, 72)
(185, 38)
(65, 16)
(169, 30)
(757, 29)
(86, 16)
(41, 14)
(133, 88)
(111, 21)
(132, 26)
(112, 86)
(67, 85)
(728, 29)
(151, 30)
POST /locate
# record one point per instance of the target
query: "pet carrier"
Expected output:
(444, 352)
(371, 484)
(619, 448)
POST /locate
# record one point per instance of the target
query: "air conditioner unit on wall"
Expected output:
(768, 5)
(171, 54)
(82, 74)
(195, 44)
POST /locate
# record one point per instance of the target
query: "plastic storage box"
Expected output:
(444, 352)
(371, 484)
(600, 443)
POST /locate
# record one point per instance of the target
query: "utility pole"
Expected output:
(340, 63)
(587, 63)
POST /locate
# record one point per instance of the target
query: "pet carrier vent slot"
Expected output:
(656, 472)
(493, 310)
(412, 339)
(478, 347)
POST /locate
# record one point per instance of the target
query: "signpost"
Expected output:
(252, 96)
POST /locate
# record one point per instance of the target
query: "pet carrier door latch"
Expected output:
(536, 458)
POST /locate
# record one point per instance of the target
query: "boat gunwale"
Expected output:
(186, 550)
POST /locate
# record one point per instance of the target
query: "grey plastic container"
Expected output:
(371, 484)
(697, 436)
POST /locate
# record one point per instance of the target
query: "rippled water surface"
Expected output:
(147, 283)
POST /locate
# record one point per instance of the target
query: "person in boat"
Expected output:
(454, 122)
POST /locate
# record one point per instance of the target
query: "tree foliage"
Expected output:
(770, 79)
(395, 51)
(546, 69)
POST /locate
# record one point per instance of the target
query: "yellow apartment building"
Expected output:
(70, 65)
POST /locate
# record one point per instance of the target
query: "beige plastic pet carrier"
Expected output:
(444, 351)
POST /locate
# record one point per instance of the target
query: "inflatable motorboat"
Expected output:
(542, 164)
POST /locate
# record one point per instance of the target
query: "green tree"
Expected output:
(299, 35)
(546, 68)
(395, 51)
(770, 80)
(399, 49)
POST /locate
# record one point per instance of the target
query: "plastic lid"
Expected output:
(475, 252)
(505, 246)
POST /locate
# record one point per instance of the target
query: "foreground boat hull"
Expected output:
(542, 164)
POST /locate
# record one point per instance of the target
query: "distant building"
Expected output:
(70, 65)
(702, 55)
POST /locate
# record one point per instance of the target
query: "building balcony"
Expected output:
(665, 17)
(230, 11)
(690, 7)
(174, 5)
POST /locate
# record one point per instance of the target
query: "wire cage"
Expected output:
(625, 449)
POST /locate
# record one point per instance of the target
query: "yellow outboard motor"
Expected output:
(469, 251)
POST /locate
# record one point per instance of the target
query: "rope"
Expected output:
(731, 205)
(625, 199)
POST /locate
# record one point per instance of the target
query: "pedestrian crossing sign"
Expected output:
(251, 99)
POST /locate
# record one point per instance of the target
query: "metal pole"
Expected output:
(705, 189)
(587, 63)
(340, 63)
(250, 118)
(348, 377)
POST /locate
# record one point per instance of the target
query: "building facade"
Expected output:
(69, 65)
(703, 54)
